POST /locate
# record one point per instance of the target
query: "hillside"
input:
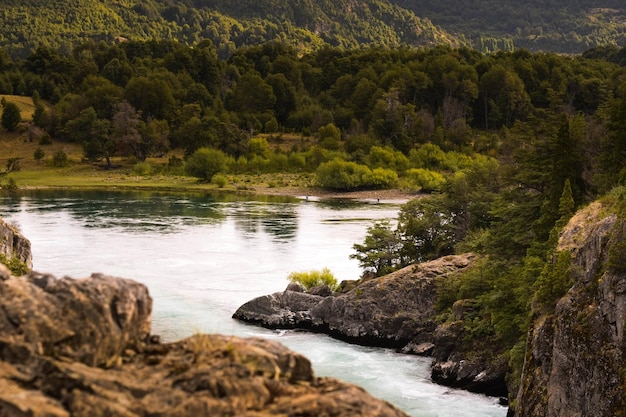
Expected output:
(307, 24)
(569, 26)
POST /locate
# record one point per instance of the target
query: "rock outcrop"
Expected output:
(83, 348)
(13, 245)
(575, 361)
(388, 311)
(397, 310)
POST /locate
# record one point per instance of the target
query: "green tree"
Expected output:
(330, 135)
(11, 116)
(205, 163)
(380, 252)
(428, 229)
(99, 144)
(611, 168)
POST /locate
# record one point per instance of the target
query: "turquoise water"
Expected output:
(202, 256)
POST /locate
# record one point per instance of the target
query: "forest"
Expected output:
(305, 24)
(505, 147)
(571, 26)
(566, 26)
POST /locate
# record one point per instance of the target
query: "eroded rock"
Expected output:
(576, 354)
(83, 348)
(398, 311)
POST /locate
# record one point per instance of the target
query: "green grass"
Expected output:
(81, 174)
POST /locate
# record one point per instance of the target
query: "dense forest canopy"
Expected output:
(571, 26)
(567, 26)
(306, 24)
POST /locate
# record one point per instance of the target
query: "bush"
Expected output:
(219, 180)
(314, 278)
(17, 267)
(205, 163)
(387, 158)
(428, 156)
(427, 180)
(142, 168)
(60, 159)
(380, 178)
(342, 175)
(39, 154)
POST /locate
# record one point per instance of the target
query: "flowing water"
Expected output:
(202, 256)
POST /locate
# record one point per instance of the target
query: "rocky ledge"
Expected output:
(82, 347)
(397, 311)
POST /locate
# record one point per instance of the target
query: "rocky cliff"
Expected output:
(82, 347)
(575, 361)
(397, 310)
(14, 246)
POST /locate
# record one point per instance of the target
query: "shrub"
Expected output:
(39, 154)
(427, 156)
(219, 180)
(17, 267)
(387, 158)
(380, 178)
(314, 278)
(427, 180)
(142, 168)
(342, 175)
(205, 163)
(60, 159)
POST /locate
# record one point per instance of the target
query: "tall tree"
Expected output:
(126, 125)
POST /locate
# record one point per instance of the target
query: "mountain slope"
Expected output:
(570, 26)
(307, 23)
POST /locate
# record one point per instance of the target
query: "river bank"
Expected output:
(156, 175)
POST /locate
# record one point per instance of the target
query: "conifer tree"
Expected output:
(11, 116)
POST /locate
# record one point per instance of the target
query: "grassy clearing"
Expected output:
(82, 174)
(25, 104)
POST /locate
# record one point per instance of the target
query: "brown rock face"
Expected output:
(576, 356)
(82, 348)
(14, 245)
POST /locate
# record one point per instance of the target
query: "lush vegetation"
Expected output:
(369, 118)
(63, 25)
(570, 26)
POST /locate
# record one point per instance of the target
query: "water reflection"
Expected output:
(277, 220)
(163, 212)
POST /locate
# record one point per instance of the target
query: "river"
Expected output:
(202, 256)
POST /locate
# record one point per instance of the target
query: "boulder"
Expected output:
(82, 347)
(88, 320)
